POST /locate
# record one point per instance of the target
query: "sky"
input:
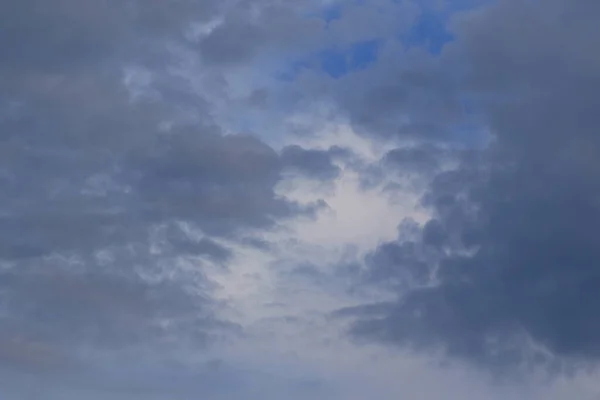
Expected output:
(289, 200)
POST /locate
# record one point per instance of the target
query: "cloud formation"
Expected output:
(513, 234)
(111, 207)
(196, 197)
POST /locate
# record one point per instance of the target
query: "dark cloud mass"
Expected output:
(66, 34)
(252, 29)
(317, 164)
(104, 197)
(403, 95)
(515, 228)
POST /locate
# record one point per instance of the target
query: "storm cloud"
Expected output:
(514, 228)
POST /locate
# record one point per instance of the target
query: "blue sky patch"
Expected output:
(336, 62)
(332, 13)
(429, 31)
(340, 62)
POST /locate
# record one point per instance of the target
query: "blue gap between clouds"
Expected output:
(332, 13)
(340, 62)
(430, 28)
(335, 61)
(428, 31)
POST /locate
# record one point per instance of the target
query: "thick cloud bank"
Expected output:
(511, 255)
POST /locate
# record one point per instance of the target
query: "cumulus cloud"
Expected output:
(513, 274)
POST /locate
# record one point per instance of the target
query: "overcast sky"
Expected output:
(299, 199)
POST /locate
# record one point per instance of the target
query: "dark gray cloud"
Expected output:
(362, 21)
(514, 234)
(46, 36)
(422, 159)
(257, 28)
(404, 94)
(110, 206)
(317, 164)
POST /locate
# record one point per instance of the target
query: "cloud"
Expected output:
(113, 208)
(177, 220)
(423, 159)
(68, 34)
(514, 228)
(254, 29)
(313, 163)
